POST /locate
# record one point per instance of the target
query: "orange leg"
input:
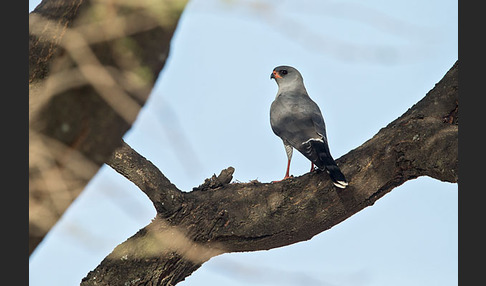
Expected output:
(286, 173)
(312, 167)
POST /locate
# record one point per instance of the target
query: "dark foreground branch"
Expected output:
(92, 65)
(219, 217)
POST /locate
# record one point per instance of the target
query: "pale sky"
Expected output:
(363, 63)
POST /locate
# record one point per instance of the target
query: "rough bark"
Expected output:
(92, 65)
(219, 217)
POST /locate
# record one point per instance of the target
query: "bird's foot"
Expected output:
(285, 178)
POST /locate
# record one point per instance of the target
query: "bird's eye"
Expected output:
(283, 72)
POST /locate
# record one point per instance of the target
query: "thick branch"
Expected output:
(255, 216)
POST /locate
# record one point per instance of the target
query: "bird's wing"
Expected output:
(318, 121)
(296, 120)
(305, 130)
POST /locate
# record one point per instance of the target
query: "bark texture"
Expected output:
(219, 216)
(92, 64)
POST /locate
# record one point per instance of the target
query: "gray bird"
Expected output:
(298, 121)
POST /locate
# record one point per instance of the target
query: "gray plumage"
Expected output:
(298, 121)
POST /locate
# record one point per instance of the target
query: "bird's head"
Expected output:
(286, 75)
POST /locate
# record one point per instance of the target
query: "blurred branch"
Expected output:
(343, 46)
(92, 65)
(89, 67)
(219, 217)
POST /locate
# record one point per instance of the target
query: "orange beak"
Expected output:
(275, 75)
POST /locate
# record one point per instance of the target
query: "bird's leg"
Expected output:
(289, 150)
(312, 167)
(288, 169)
(286, 173)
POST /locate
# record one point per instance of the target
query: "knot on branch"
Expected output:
(214, 182)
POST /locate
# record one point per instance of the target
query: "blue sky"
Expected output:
(364, 63)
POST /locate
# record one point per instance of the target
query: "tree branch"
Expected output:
(92, 65)
(221, 217)
(167, 198)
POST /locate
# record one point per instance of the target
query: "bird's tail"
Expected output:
(337, 176)
(325, 161)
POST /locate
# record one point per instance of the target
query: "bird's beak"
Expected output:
(275, 75)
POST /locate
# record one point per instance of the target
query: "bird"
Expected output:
(298, 121)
